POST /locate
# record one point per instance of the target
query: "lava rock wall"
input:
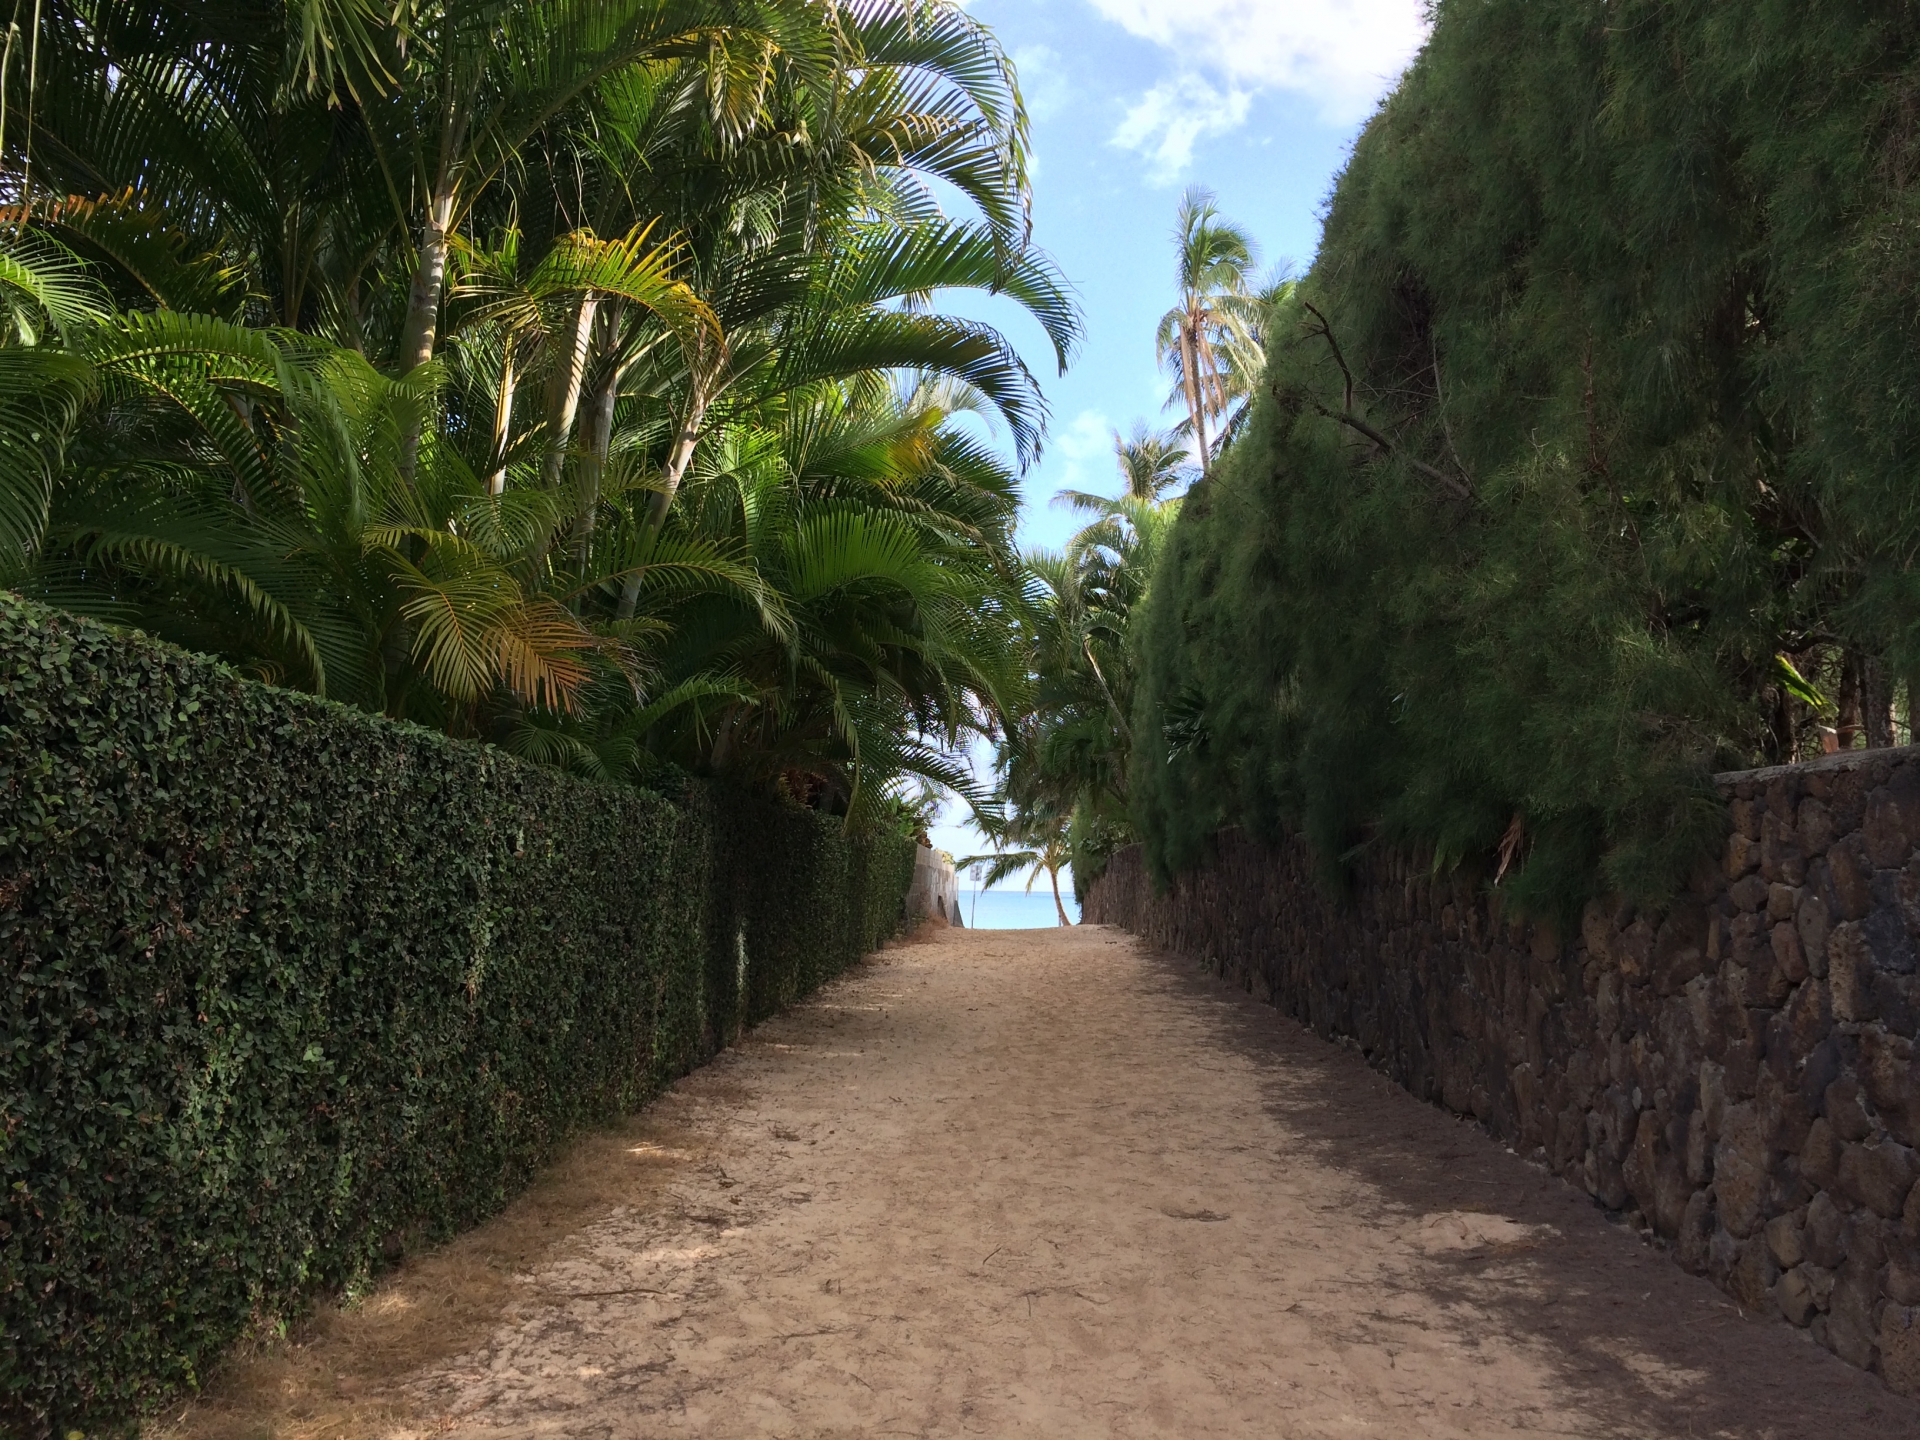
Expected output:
(1735, 1073)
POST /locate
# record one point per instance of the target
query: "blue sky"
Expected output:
(1132, 101)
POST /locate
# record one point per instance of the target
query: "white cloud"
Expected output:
(1043, 81)
(1166, 122)
(1345, 54)
(1077, 446)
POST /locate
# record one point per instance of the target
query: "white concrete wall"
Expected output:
(936, 889)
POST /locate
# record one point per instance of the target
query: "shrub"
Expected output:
(290, 987)
(1583, 460)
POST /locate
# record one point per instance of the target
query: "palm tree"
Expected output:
(1050, 833)
(1064, 760)
(679, 480)
(1151, 462)
(1214, 269)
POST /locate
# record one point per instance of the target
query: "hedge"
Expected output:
(291, 988)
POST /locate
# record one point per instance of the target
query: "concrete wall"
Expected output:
(1735, 1073)
(936, 889)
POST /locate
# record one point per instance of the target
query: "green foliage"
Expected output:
(290, 987)
(566, 372)
(1064, 762)
(1597, 401)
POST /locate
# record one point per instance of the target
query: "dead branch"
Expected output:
(1353, 422)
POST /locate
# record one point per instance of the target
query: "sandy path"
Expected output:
(1045, 1184)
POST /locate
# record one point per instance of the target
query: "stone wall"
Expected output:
(1736, 1073)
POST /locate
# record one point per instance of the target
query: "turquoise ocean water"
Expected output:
(1013, 909)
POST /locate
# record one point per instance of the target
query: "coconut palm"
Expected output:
(1049, 830)
(1214, 272)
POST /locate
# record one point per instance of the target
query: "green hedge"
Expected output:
(1624, 298)
(290, 988)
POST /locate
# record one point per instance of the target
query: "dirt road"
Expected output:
(1045, 1184)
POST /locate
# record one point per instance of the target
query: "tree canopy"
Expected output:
(567, 373)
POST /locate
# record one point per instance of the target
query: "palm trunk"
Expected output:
(1053, 874)
(593, 461)
(1126, 730)
(1196, 405)
(503, 422)
(679, 460)
(1876, 703)
(1847, 730)
(563, 390)
(429, 281)
(1780, 729)
(421, 330)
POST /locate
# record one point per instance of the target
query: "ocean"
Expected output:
(1012, 908)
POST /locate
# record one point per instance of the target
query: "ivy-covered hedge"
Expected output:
(290, 988)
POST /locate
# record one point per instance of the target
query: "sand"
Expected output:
(1049, 1184)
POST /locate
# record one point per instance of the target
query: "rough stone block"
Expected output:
(1785, 1119)
(1813, 923)
(1820, 1283)
(1850, 1329)
(1746, 1044)
(1903, 1266)
(1744, 816)
(1781, 860)
(1888, 939)
(1907, 895)
(1699, 1154)
(1814, 826)
(1806, 1019)
(1850, 973)
(1787, 1239)
(1606, 1004)
(1879, 1175)
(1847, 794)
(1713, 1096)
(1892, 823)
(1743, 855)
(1752, 951)
(1793, 1297)
(1782, 901)
(1723, 1253)
(1845, 1109)
(1605, 1182)
(1749, 895)
(1672, 1193)
(1740, 1170)
(1619, 1122)
(1790, 961)
(1638, 1166)
(1898, 1341)
(1864, 1238)
(1850, 877)
(1825, 1233)
(1896, 1000)
(1680, 947)
(1752, 1276)
(1596, 928)
(1696, 1229)
(1633, 951)
(1789, 1191)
